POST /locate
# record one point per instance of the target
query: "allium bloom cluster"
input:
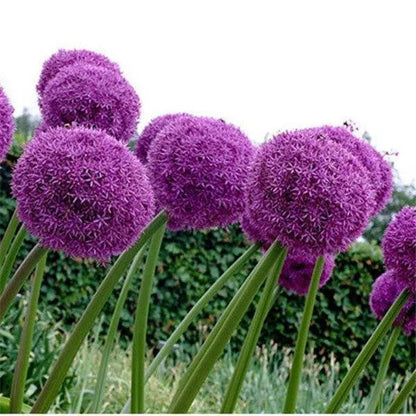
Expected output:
(385, 291)
(80, 191)
(91, 96)
(297, 272)
(311, 194)
(6, 124)
(198, 168)
(378, 169)
(399, 245)
(150, 132)
(64, 58)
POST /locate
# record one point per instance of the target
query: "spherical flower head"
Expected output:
(297, 272)
(64, 58)
(150, 132)
(310, 194)
(377, 168)
(198, 168)
(81, 191)
(7, 125)
(385, 291)
(91, 96)
(399, 245)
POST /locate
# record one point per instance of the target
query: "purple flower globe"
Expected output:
(64, 58)
(385, 291)
(6, 124)
(150, 132)
(80, 191)
(297, 272)
(310, 194)
(378, 169)
(198, 169)
(91, 96)
(399, 245)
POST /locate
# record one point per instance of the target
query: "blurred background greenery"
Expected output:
(189, 263)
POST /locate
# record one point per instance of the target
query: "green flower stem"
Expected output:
(297, 364)
(398, 402)
(112, 331)
(196, 309)
(217, 340)
(382, 371)
(5, 406)
(140, 325)
(366, 353)
(253, 334)
(19, 277)
(22, 363)
(67, 355)
(11, 257)
(7, 238)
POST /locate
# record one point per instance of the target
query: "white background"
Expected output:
(262, 65)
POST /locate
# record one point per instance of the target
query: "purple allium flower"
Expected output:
(91, 96)
(150, 132)
(399, 245)
(385, 291)
(378, 169)
(310, 194)
(80, 191)
(6, 124)
(64, 58)
(198, 168)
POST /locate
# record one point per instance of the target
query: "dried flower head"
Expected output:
(385, 291)
(198, 168)
(297, 272)
(64, 58)
(399, 245)
(80, 191)
(310, 194)
(378, 169)
(6, 124)
(91, 96)
(150, 132)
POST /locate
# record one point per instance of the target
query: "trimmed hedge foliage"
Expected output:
(190, 262)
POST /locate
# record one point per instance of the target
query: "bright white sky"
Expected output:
(262, 65)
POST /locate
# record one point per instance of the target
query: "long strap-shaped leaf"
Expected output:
(398, 402)
(140, 325)
(112, 331)
(382, 371)
(22, 363)
(64, 361)
(297, 364)
(253, 334)
(204, 361)
(366, 353)
(19, 277)
(6, 241)
(196, 309)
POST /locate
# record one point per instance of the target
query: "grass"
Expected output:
(263, 391)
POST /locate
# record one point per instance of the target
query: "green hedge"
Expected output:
(189, 263)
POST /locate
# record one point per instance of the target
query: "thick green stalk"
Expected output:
(8, 236)
(19, 277)
(11, 257)
(253, 334)
(398, 402)
(366, 353)
(22, 363)
(382, 371)
(204, 361)
(297, 364)
(112, 331)
(196, 309)
(64, 361)
(140, 325)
